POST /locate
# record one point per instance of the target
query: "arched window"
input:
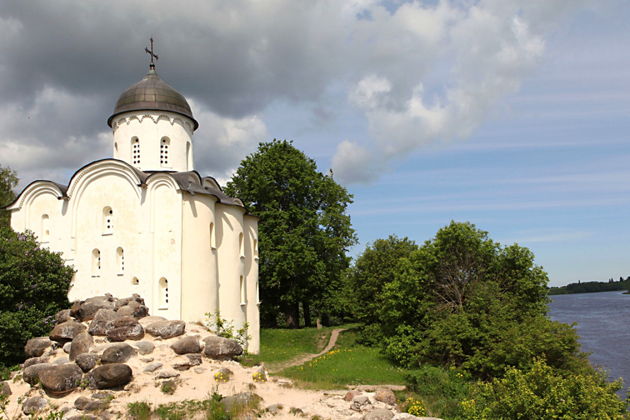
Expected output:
(241, 245)
(135, 281)
(135, 150)
(108, 221)
(164, 144)
(96, 263)
(45, 235)
(163, 293)
(120, 261)
(243, 291)
(213, 239)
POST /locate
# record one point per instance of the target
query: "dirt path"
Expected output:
(308, 357)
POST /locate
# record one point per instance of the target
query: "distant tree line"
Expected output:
(592, 287)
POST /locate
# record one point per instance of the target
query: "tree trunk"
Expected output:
(307, 313)
(292, 315)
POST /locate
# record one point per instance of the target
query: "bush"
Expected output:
(441, 390)
(542, 393)
(34, 285)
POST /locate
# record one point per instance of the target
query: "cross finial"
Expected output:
(151, 54)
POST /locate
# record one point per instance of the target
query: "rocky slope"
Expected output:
(104, 353)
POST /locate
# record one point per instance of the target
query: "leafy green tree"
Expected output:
(463, 300)
(304, 231)
(542, 393)
(8, 181)
(34, 285)
(373, 269)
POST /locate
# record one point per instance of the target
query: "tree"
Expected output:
(34, 285)
(8, 181)
(304, 232)
(372, 270)
(463, 300)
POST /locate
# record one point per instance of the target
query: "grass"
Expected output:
(281, 345)
(212, 408)
(349, 363)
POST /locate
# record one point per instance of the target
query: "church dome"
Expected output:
(152, 94)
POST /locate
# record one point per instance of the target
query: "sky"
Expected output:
(513, 115)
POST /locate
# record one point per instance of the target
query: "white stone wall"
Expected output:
(142, 135)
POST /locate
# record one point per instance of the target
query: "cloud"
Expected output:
(418, 72)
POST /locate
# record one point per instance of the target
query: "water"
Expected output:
(602, 326)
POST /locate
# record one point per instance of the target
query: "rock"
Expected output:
(152, 367)
(221, 348)
(5, 389)
(35, 347)
(134, 309)
(199, 370)
(88, 404)
(109, 376)
(66, 347)
(87, 361)
(166, 329)
(144, 347)
(89, 307)
(118, 353)
(386, 396)
(186, 362)
(240, 400)
(150, 320)
(80, 344)
(34, 405)
(379, 414)
(360, 403)
(66, 331)
(274, 409)
(61, 380)
(167, 374)
(103, 395)
(34, 361)
(351, 394)
(61, 361)
(407, 416)
(31, 373)
(102, 321)
(125, 328)
(187, 345)
(84, 417)
(63, 316)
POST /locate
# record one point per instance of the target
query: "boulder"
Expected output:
(241, 400)
(61, 380)
(80, 344)
(125, 301)
(5, 389)
(88, 404)
(117, 353)
(88, 308)
(102, 321)
(66, 331)
(351, 394)
(407, 416)
(379, 414)
(187, 361)
(34, 361)
(134, 309)
(166, 329)
(221, 348)
(61, 360)
(35, 347)
(144, 347)
(62, 316)
(33, 405)
(31, 373)
(125, 328)
(87, 361)
(167, 374)
(386, 396)
(109, 376)
(66, 347)
(187, 345)
(150, 320)
(152, 367)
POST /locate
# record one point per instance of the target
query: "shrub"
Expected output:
(139, 410)
(441, 389)
(542, 393)
(34, 285)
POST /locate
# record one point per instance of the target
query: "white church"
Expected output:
(146, 222)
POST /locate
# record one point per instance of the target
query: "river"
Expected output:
(602, 326)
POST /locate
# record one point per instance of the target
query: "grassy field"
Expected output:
(281, 345)
(349, 363)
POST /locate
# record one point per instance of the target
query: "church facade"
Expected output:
(146, 222)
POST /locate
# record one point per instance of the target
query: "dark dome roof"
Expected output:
(152, 94)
